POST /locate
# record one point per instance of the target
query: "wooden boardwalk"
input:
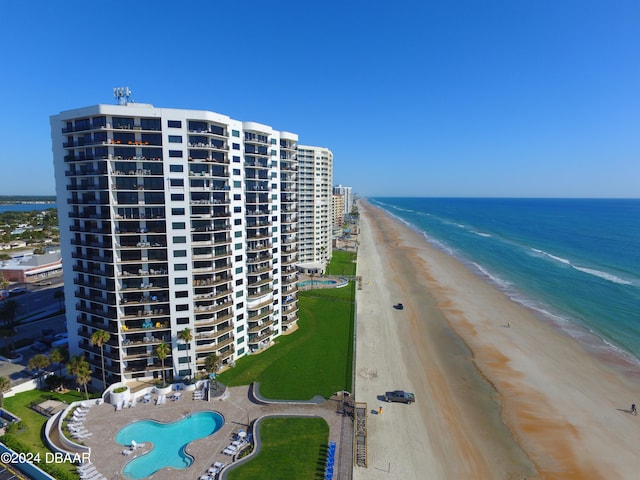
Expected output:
(360, 434)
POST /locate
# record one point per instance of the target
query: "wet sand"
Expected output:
(500, 393)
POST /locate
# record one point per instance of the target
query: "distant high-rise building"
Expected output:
(347, 193)
(172, 220)
(315, 176)
(338, 209)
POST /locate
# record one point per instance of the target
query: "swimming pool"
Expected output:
(169, 442)
(304, 283)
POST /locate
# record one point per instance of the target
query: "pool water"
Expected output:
(169, 442)
(304, 283)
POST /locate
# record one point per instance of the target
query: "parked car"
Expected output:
(399, 396)
(398, 306)
(17, 291)
(42, 284)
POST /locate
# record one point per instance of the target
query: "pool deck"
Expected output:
(238, 409)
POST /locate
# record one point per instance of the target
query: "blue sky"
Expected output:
(422, 98)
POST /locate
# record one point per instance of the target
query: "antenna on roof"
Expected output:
(122, 94)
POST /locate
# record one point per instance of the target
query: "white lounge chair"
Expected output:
(135, 445)
(85, 466)
(88, 468)
(88, 473)
(127, 451)
(93, 476)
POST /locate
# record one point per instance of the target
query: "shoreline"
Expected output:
(607, 351)
(492, 401)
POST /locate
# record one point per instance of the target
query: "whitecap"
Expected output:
(606, 276)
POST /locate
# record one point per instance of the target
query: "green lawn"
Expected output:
(292, 449)
(31, 432)
(342, 263)
(315, 360)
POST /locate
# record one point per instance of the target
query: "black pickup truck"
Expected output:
(399, 396)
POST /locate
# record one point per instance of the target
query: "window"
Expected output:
(274, 141)
(180, 253)
(239, 282)
(235, 146)
(240, 329)
(236, 159)
(176, 168)
(179, 267)
(183, 359)
(179, 239)
(239, 294)
(237, 246)
(237, 234)
(176, 182)
(237, 184)
(175, 138)
(235, 133)
(177, 211)
(175, 153)
(178, 225)
(174, 124)
(177, 197)
(180, 281)
(182, 320)
(237, 209)
(240, 317)
(182, 346)
(240, 350)
(236, 171)
(182, 294)
(239, 270)
(236, 196)
(238, 258)
(239, 306)
(237, 221)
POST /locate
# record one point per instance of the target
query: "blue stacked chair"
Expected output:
(331, 456)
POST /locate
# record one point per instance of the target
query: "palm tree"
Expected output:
(83, 377)
(99, 338)
(212, 365)
(58, 355)
(5, 384)
(79, 367)
(186, 336)
(162, 351)
(39, 362)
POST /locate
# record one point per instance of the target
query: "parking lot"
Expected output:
(34, 305)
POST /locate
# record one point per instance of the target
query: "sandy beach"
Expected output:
(500, 393)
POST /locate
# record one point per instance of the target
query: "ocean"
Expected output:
(25, 207)
(574, 262)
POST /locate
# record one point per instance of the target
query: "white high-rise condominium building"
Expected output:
(315, 176)
(171, 220)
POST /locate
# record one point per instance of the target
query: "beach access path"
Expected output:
(500, 394)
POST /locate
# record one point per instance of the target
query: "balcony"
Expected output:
(256, 339)
(212, 320)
